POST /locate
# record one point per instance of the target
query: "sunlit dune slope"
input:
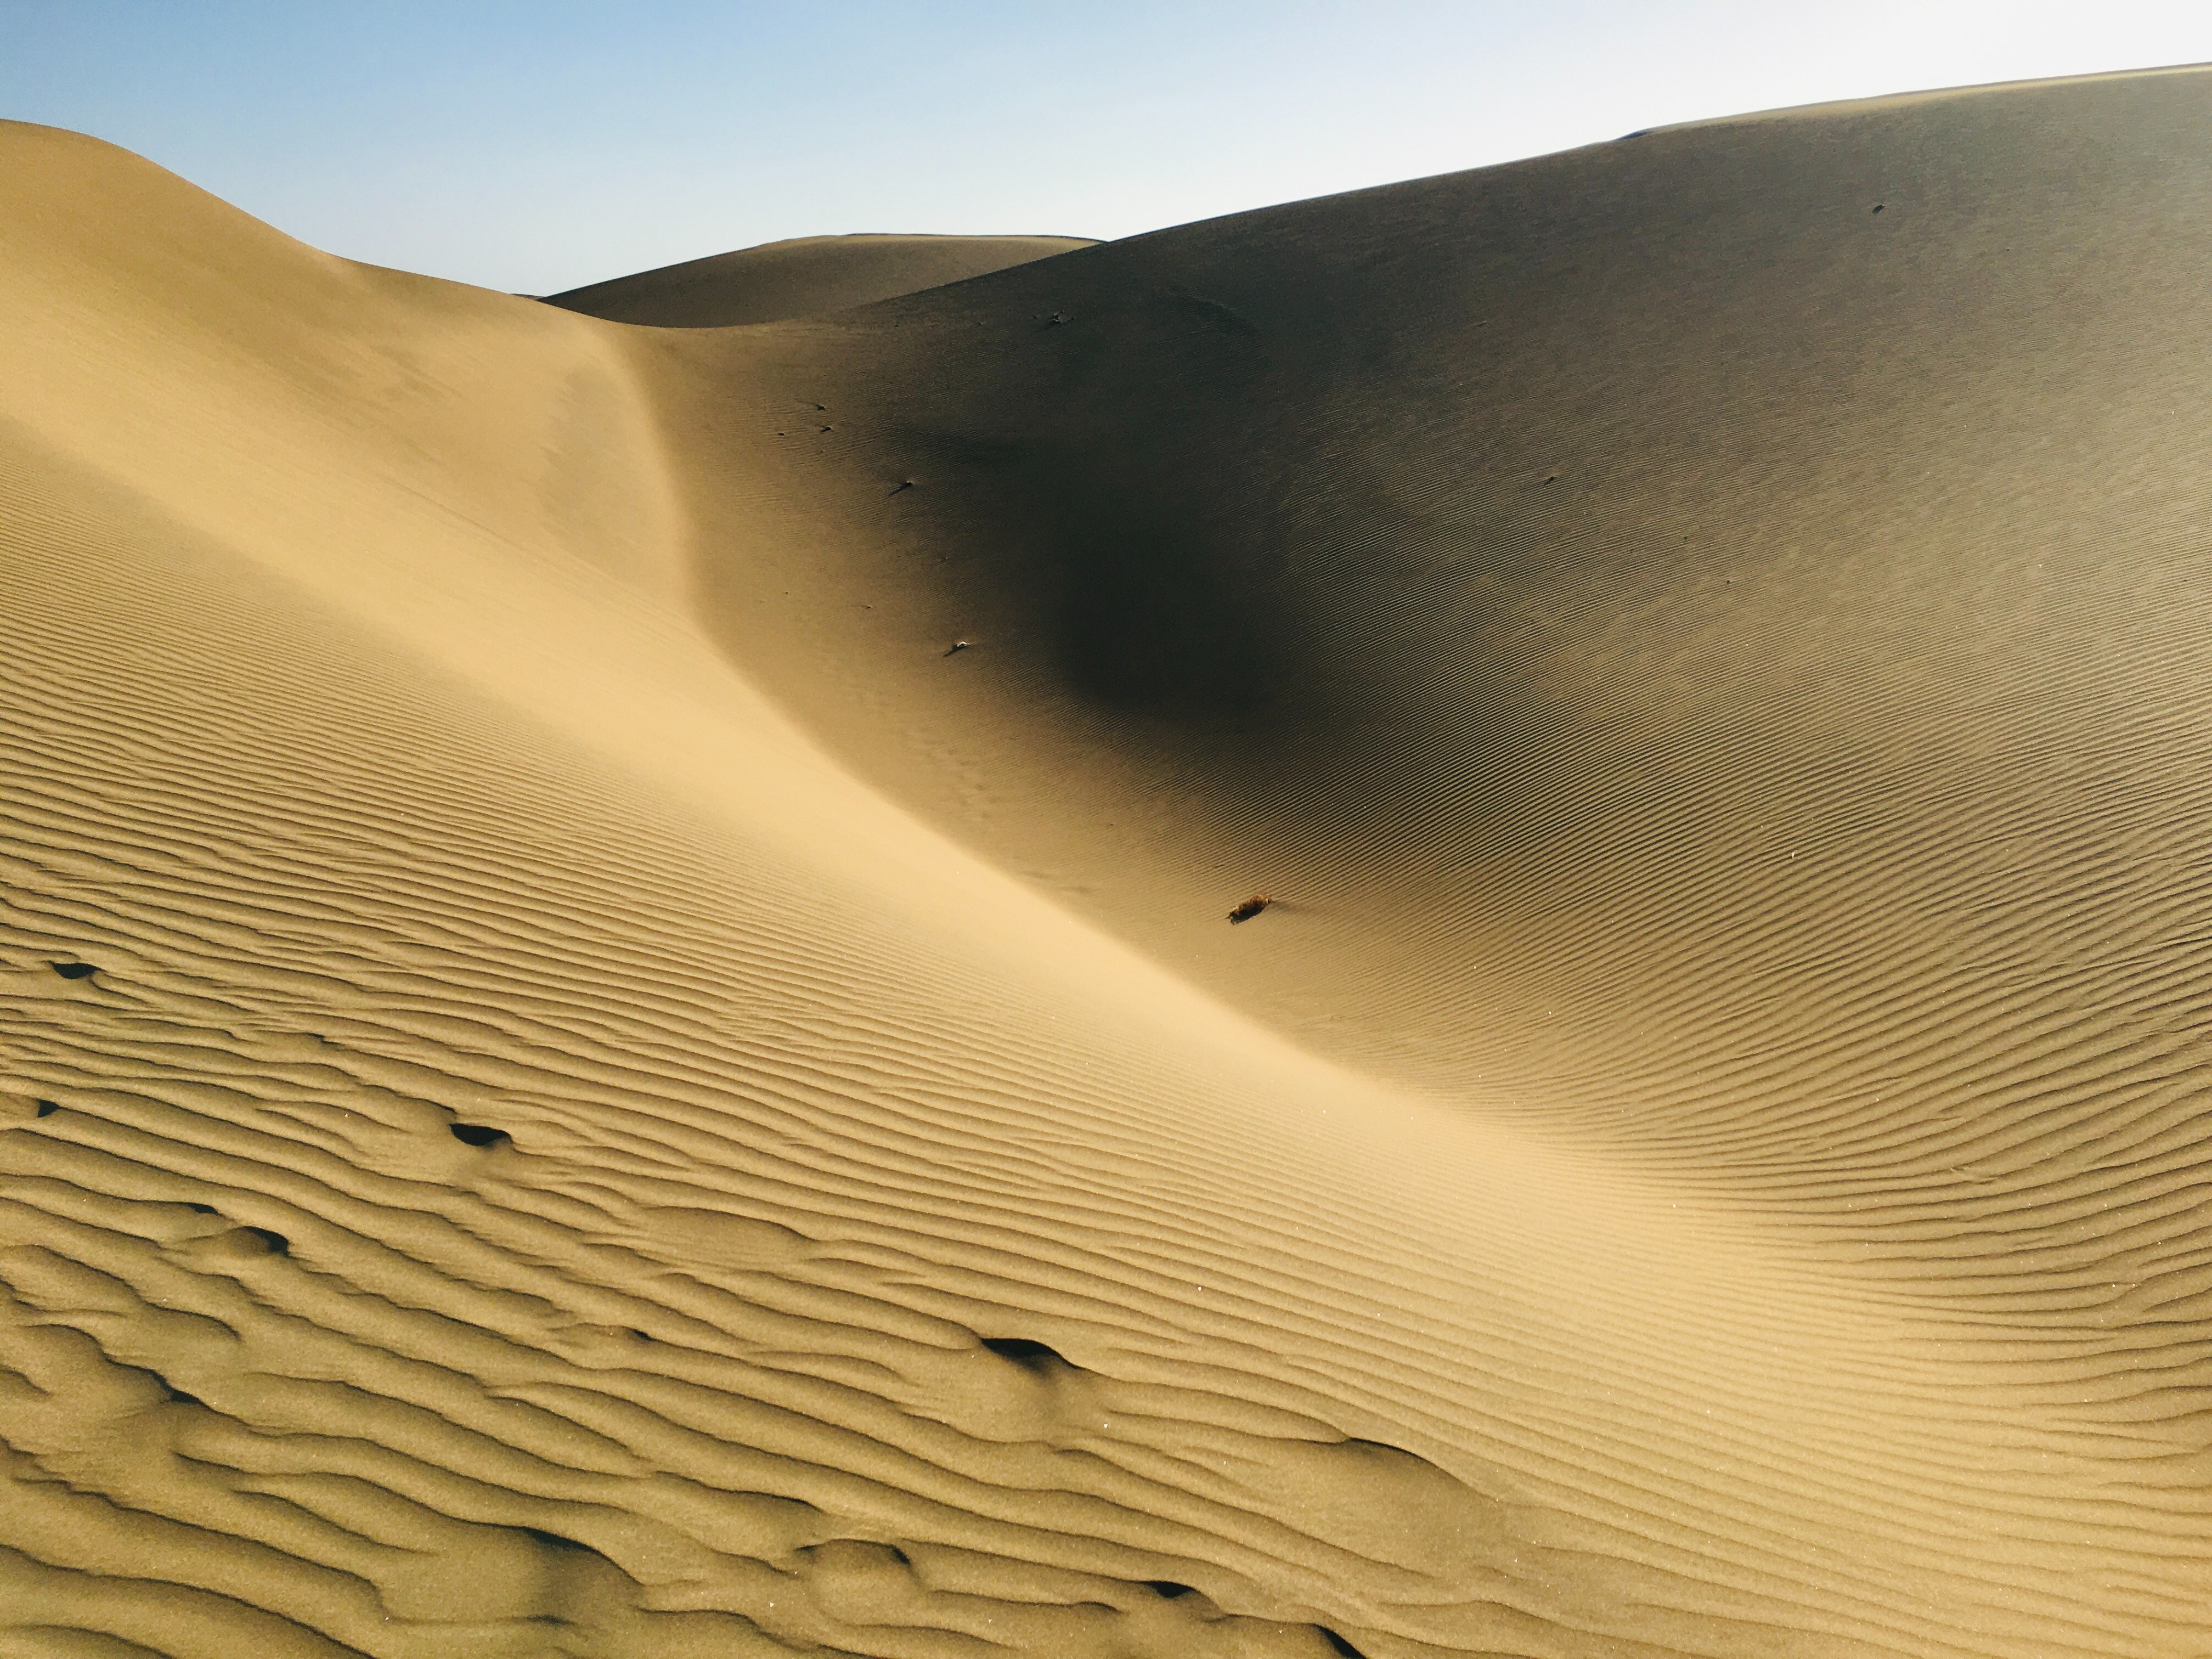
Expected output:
(809, 276)
(575, 1085)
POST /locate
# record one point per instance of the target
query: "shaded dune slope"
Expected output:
(622, 1109)
(1704, 633)
(808, 276)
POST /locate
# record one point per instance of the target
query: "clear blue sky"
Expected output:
(536, 146)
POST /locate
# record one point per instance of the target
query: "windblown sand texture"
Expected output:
(578, 1082)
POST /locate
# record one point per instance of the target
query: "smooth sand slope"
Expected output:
(809, 276)
(628, 1102)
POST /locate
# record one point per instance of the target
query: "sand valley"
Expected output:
(619, 1035)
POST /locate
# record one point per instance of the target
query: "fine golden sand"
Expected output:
(621, 1034)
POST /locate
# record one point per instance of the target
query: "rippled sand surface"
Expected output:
(618, 1030)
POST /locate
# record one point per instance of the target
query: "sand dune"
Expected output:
(577, 1081)
(809, 276)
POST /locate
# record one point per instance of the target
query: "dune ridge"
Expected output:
(630, 1101)
(806, 276)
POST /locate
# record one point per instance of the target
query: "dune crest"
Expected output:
(808, 276)
(577, 1079)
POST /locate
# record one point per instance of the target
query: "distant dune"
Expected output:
(620, 1030)
(811, 277)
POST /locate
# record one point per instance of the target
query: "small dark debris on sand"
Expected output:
(1251, 908)
(74, 969)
